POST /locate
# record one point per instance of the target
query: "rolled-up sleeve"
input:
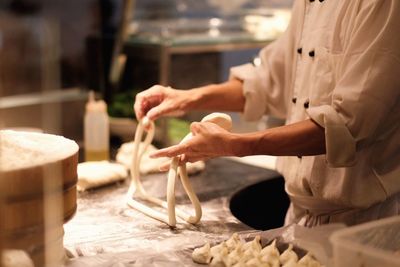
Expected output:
(255, 95)
(266, 87)
(366, 94)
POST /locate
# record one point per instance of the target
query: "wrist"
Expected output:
(241, 145)
(199, 96)
(188, 99)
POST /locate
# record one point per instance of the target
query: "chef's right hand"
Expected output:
(160, 101)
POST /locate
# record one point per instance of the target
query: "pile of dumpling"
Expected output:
(233, 252)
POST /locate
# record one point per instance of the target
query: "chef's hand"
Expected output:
(208, 141)
(160, 101)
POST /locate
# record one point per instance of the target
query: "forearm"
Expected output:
(304, 138)
(226, 96)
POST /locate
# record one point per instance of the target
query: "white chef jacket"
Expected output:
(338, 64)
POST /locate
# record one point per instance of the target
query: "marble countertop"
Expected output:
(106, 232)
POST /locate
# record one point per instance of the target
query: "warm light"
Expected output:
(215, 22)
(214, 32)
(257, 61)
(267, 26)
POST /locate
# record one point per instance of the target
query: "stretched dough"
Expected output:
(136, 187)
(147, 164)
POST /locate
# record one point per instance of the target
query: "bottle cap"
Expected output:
(95, 106)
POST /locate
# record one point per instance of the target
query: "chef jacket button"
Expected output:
(294, 100)
(306, 104)
(311, 53)
(299, 50)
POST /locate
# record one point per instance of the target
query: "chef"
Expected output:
(334, 75)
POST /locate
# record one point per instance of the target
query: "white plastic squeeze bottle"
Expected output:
(96, 130)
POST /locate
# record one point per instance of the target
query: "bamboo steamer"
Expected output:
(37, 201)
(1, 227)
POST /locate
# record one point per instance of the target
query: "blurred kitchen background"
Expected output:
(53, 52)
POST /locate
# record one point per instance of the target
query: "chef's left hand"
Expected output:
(208, 141)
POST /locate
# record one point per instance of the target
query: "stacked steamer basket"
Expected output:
(38, 177)
(1, 227)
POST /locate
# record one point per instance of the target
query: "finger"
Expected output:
(147, 99)
(195, 159)
(144, 103)
(182, 159)
(169, 152)
(194, 127)
(137, 107)
(163, 109)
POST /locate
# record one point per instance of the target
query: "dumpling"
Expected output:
(290, 263)
(272, 260)
(270, 255)
(255, 244)
(218, 248)
(308, 261)
(219, 259)
(236, 255)
(202, 255)
(288, 255)
(256, 262)
(240, 263)
(233, 242)
(270, 250)
(250, 254)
